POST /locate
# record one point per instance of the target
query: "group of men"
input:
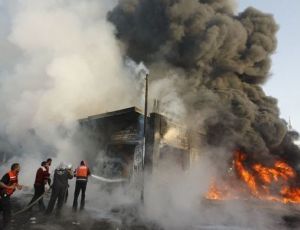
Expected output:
(59, 187)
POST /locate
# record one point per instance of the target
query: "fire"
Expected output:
(291, 195)
(262, 182)
(280, 170)
(214, 193)
(245, 175)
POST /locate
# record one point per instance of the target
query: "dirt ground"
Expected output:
(116, 219)
(125, 218)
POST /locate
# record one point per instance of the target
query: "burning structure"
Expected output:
(120, 135)
(219, 61)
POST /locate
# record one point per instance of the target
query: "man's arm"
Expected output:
(2, 185)
(75, 173)
(46, 177)
(49, 175)
(70, 174)
(19, 186)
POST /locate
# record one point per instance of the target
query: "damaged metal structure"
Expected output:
(119, 142)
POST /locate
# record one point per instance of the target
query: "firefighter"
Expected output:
(59, 187)
(41, 180)
(8, 184)
(81, 173)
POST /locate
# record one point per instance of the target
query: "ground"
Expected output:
(127, 217)
(115, 219)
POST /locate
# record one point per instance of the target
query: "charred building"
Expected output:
(118, 140)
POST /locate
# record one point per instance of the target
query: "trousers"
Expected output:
(5, 207)
(57, 194)
(39, 190)
(79, 187)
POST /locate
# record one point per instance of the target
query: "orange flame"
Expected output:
(291, 195)
(246, 176)
(266, 183)
(214, 193)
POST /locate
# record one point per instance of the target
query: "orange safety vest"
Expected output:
(82, 172)
(13, 179)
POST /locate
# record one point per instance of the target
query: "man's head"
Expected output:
(69, 166)
(82, 163)
(49, 161)
(15, 167)
(44, 163)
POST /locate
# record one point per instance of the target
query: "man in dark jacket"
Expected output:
(41, 179)
(59, 188)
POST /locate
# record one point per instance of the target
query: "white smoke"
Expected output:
(71, 65)
(60, 62)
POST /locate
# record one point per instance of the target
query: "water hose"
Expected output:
(31, 205)
(107, 180)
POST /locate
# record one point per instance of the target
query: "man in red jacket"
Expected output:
(8, 185)
(41, 179)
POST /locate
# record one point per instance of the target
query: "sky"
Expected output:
(284, 81)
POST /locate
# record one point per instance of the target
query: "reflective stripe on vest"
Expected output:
(13, 179)
(82, 172)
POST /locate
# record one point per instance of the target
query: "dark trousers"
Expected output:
(39, 190)
(5, 207)
(66, 195)
(59, 195)
(80, 186)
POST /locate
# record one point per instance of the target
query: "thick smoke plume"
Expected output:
(221, 61)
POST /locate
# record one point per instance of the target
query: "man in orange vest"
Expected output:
(81, 173)
(8, 185)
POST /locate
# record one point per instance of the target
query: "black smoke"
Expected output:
(222, 58)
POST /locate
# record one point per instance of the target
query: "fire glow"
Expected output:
(265, 183)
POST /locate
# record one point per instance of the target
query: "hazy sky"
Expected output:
(285, 80)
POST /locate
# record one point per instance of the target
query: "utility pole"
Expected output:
(145, 135)
(145, 118)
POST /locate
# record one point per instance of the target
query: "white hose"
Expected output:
(103, 179)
